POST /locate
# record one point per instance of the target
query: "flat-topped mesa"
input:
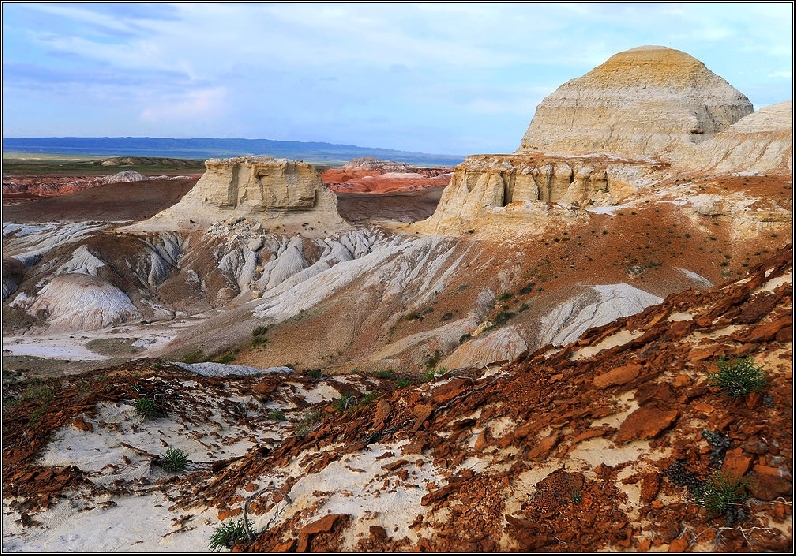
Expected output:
(275, 192)
(645, 102)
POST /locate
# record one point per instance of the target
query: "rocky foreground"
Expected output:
(602, 444)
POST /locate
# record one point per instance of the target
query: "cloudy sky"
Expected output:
(439, 78)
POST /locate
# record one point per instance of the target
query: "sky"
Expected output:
(442, 78)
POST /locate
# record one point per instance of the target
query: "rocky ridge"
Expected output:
(649, 116)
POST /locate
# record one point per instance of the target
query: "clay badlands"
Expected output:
(511, 355)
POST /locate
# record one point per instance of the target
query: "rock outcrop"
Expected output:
(644, 102)
(645, 117)
(502, 189)
(760, 143)
(277, 192)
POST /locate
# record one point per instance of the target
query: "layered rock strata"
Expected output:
(276, 192)
(760, 143)
(644, 102)
(507, 187)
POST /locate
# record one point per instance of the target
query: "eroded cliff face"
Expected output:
(644, 102)
(760, 143)
(638, 124)
(519, 188)
(279, 193)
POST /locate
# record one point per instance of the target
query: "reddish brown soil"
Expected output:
(112, 202)
(357, 180)
(554, 404)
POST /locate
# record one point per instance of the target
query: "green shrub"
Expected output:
(344, 402)
(738, 376)
(308, 423)
(719, 494)
(434, 374)
(195, 356)
(527, 288)
(37, 391)
(174, 460)
(146, 408)
(259, 341)
(276, 415)
(227, 534)
(388, 374)
(259, 330)
(404, 382)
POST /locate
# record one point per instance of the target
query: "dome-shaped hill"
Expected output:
(644, 102)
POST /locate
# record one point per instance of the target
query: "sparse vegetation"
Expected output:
(146, 408)
(315, 374)
(432, 360)
(344, 402)
(309, 421)
(404, 382)
(528, 288)
(192, 357)
(368, 398)
(719, 494)
(738, 376)
(225, 358)
(228, 533)
(258, 336)
(174, 460)
(277, 415)
(434, 374)
(38, 391)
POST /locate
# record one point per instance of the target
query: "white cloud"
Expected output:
(207, 103)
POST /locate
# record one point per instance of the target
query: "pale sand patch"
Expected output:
(618, 339)
(774, 283)
(680, 316)
(351, 486)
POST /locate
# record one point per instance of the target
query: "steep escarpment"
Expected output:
(644, 102)
(279, 193)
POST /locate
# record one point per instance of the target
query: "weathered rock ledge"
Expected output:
(279, 193)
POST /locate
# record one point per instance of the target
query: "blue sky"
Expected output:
(438, 77)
